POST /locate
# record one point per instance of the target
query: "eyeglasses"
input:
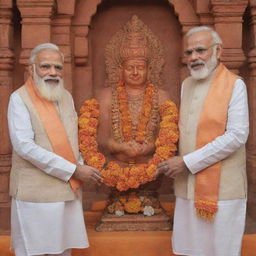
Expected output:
(199, 50)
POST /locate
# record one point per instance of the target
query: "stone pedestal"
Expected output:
(137, 222)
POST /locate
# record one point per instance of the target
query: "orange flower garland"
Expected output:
(134, 175)
(125, 114)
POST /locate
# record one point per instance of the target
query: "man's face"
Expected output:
(49, 66)
(47, 74)
(135, 72)
(200, 54)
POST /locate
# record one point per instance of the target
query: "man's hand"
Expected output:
(88, 173)
(171, 167)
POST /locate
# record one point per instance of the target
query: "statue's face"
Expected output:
(135, 72)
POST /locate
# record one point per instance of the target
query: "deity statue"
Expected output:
(132, 123)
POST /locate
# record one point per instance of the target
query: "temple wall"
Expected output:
(82, 28)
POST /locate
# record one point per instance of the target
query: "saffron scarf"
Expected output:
(212, 123)
(53, 126)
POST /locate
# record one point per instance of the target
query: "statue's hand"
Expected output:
(130, 149)
(127, 149)
(142, 149)
(147, 149)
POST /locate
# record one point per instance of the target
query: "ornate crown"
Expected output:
(134, 44)
(134, 40)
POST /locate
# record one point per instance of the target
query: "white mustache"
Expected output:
(56, 78)
(198, 62)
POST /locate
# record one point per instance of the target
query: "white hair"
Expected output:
(42, 47)
(215, 36)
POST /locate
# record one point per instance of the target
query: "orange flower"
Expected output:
(93, 122)
(170, 125)
(174, 118)
(87, 131)
(133, 205)
(83, 122)
(89, 141)
(168, 108)
(132, 182)
(151, 171)
(164, 151)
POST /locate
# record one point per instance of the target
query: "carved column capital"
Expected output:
(231, 10)
(36, 16)
(186, 14)
(228, 17)
(41, 10)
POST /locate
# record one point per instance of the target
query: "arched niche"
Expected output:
(86, 9)
(158, 16)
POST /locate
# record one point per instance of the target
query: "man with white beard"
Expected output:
(209, 173)
(47, 215)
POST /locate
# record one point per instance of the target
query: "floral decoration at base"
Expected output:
(134, 202)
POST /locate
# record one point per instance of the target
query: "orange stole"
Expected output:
(53, 126)
(212, 123)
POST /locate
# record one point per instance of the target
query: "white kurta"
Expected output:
(192, 235)
(45, 228)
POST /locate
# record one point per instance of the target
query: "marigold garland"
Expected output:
(127, 130)
(134, 175)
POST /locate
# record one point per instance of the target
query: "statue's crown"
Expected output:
(134, 44)
(134, 40)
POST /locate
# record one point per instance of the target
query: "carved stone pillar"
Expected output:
(251, 145)
(61, 35)
(228, 23)
(6, 83)
(36, 24)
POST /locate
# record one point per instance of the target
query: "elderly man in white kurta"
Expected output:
(210, 173)
(45, 181)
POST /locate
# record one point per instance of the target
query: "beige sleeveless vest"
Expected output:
(29, 183)
(233, 181)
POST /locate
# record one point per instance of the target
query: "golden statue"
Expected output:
(132, 125)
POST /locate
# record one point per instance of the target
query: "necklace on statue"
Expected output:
(128, 123)
(135, 104)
